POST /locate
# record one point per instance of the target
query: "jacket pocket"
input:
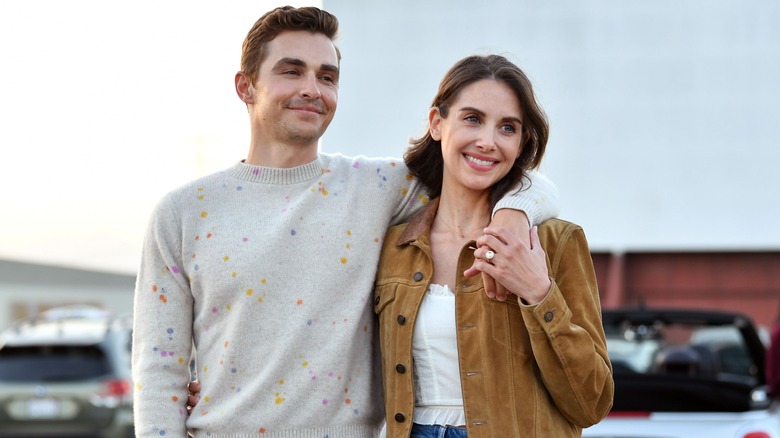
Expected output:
(383, 295)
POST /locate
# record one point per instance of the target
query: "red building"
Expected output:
(748, 282)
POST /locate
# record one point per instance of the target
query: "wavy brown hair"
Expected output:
(424, 156)
(282, 19)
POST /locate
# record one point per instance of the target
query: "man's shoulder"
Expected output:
(359, 161)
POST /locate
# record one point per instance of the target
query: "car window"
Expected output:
(708, 352)
(52, 363)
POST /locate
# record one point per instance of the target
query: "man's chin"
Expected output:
(304, 137)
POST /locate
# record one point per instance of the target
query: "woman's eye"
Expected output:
(472, 119)
(508, 128)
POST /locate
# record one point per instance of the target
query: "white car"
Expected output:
(66, 373)
(686, 374)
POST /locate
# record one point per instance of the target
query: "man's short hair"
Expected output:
(282, 19)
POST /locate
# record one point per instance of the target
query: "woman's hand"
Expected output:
(519, 268)
(515, 221)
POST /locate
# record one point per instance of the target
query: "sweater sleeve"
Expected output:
(539, 201)
(162, 330)
(406, 192)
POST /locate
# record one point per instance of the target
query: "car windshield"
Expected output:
(52, 363)
(707, 352)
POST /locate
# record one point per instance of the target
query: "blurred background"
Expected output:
(664, 130)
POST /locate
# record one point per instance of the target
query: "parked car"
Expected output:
(66, 373)
(686, 374)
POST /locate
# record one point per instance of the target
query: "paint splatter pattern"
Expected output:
(272, 271)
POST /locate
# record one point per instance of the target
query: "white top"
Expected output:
(438, 395)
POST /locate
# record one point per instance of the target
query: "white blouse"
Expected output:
(438, 395)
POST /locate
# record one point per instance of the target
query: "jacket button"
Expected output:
(548, 316)
(401, 320)
(376, 301)
(400, 418)
(400, 368)
(418, 276)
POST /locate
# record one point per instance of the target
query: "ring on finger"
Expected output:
(489, 255)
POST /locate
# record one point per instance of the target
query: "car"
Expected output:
(66, 372)
(686, 373)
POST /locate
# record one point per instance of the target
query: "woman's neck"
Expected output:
(464, 215)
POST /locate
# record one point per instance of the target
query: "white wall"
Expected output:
(665, 115)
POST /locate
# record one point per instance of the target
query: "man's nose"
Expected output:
(310, 88)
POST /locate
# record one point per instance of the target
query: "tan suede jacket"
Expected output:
(526, 371)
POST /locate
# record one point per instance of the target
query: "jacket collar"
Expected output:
(420, 224)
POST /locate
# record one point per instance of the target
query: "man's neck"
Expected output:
(281, 155)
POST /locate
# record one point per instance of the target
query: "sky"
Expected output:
(105, 106)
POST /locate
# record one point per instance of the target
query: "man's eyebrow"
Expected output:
(301, 63)
(290, 61)
(330, 68)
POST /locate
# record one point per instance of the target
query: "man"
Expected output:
(267, 268)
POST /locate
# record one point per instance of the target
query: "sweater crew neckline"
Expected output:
(280, 175)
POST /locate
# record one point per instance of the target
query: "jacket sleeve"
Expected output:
(539, 201)
(566, 332)
(162, 330)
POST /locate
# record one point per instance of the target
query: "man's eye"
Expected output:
(290, 72)
(472, 119)
(328, 78)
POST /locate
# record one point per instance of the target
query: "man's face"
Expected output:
(296, 90)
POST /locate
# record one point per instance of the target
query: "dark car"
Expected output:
(682, 373)
(66, 373)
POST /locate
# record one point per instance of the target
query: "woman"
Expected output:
(454, 361)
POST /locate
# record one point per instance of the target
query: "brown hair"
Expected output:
(424, 157)
(276, 21)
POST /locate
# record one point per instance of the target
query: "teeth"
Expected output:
(478, 161)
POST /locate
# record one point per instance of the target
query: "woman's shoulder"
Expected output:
(555, 233)
(394, 233)
(557, 225)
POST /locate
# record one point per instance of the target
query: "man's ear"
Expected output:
(434, 123)
(244, 88)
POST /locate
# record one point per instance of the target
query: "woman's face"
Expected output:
(481, 136)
